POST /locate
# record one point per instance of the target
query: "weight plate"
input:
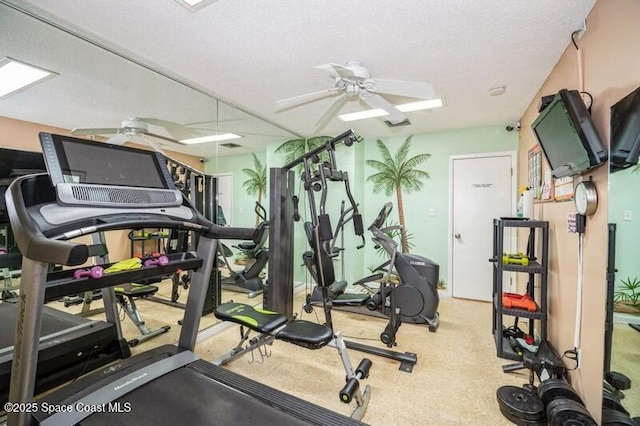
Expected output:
(616, 418)
(612, 402)
(521, 422)
(568, 412)
(520, 403)
(551, 389)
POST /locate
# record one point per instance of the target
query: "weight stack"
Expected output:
(563, 405)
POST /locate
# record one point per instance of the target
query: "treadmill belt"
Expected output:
(186, 397)
(53, 321)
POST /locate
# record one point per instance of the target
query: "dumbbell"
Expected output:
(159, 261)
(515, 259)
(95, 272)
(3, 250)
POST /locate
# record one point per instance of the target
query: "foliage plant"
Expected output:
(257, 182)
(629, 292)
(398, 173)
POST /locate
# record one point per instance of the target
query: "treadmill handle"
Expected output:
(231, 233)
(31, 242)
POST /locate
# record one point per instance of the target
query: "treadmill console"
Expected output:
(99, 174)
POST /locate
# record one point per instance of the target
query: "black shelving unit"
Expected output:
(537, 270)
(142, 237)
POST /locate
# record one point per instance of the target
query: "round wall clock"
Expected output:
(585, 198)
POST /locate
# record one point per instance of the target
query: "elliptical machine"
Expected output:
(415, 299)
(248, 280)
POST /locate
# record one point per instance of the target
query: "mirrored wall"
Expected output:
(624, 217)
(98, 86)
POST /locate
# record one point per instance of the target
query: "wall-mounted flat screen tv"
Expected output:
(568, 137)
(625, 132)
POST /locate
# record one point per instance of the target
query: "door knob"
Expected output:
(456, 235)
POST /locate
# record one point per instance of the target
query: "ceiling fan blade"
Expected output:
(118, 139)
(164, 138)
(377, 101)
(89, 132)
(338, 69)
(411, 89)
(308, 97)
(172, 127)
(152, 144)
(332, 110)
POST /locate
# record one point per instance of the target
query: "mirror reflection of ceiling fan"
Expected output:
(130, 128)
(353, 82)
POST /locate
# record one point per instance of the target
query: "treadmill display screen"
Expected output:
(73, 160)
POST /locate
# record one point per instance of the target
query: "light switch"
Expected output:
(628, 215)
(432, 211)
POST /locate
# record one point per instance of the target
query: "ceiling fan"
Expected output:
(353, 81)
(133, 126)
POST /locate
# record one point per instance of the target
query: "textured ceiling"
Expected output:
(252, 53)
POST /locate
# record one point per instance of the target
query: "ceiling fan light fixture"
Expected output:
(420, 105)
(16, 75)
(194, 5)
(360, 115)
(210, 138)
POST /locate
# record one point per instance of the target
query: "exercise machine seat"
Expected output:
(306, 334)
(260, 320)
(136, 290)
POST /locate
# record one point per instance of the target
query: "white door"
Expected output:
(482, 190)
(225, 196)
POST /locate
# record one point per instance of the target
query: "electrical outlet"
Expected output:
(628, 215)
(432, 211)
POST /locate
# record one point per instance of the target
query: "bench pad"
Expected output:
(256, 319)
(305, 333)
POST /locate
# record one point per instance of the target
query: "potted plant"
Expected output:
(626, 298)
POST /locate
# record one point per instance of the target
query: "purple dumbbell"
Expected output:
(95, 272)
(3, 250)
(159, 261)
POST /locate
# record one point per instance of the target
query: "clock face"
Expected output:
(585, 198)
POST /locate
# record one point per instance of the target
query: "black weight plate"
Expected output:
(568, 412)
(521, 422)
(520, 402)
(612, 402)
(556, 388)
(616, 418)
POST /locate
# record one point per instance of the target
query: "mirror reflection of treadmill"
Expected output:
(70, 345)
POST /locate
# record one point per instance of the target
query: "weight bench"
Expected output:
(272, 325)
(126, 295)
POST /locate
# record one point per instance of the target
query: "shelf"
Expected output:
(60, 284)
(507, 223)
(531, 268)
(539, 267)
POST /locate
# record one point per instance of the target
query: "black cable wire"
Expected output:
(590, 100)
(573, 39)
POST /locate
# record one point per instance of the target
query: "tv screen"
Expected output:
(14, 163)
(567, 135)
(625, 132)
(72, 160)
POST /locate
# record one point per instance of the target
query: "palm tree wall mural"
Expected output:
(257, 182)
(398, 173)
(296, 147)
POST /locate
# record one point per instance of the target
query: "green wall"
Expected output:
(623, 195)
(430, 237)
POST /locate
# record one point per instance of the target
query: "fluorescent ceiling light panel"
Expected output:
(416, 106)
(370, 113)
(16, 76)
(194, 5)
(211, 138)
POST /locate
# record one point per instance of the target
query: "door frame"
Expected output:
(514, 186)
(230, 213)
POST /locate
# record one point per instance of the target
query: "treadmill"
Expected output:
(126, 189)
(70, 345)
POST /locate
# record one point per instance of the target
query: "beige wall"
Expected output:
(24, 135)
(611, 69)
